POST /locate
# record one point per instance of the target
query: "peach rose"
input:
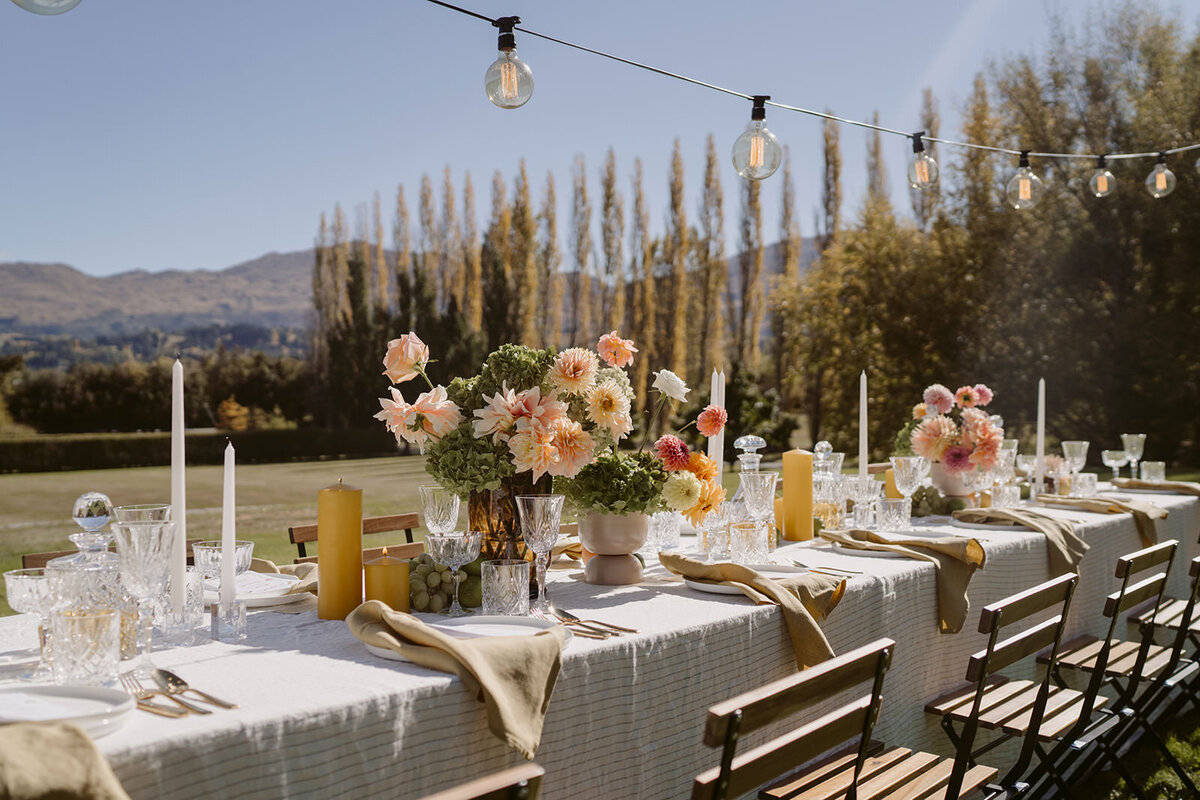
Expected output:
(406, 358)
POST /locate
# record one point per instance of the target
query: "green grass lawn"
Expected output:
(35, 508)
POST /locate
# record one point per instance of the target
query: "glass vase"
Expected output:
(494, 512)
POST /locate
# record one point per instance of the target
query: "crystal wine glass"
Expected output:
(977, 480)
(1004, 466)
(439, 507)
(455, 550)
(144, 512)
(908, 472)
(759, 493)
(541, 517)
(1135, 445)
(1114, 459)
(29, 593)
(1076, 455)
(144, 548)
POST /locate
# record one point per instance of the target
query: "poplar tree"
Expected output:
(925, 203)
(791, 244)
(426, 257)
(339, 268)
(524, 262)
(451, 282)
(876, 169)
(549, 261)
(402, 244)
(497, 268)
(381, 274)
(324, 303)
(713, 271)
(831, 187)
(612, 235)
(750, 267)
(676, 257)
(472, 273)
(642, 273)
(581, 250)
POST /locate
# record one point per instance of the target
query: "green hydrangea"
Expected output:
(616, 483)
(516, 365)
(462, 463)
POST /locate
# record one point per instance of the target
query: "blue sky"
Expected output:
(143, 134)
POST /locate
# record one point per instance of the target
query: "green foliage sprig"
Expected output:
(616, 483)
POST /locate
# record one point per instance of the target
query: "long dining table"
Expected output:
(319, 716)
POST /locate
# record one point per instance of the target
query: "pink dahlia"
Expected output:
(672, 451)
(574, 371)
(431, 417)
(956, 458)
(966, 397)
(984, 394)
(575, 447)
(938, 398)
(933, 436)
(711, 420)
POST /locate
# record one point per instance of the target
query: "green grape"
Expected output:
(420, 601)
(436, 603)
(423, 570)
(447, 576)
(433, 580)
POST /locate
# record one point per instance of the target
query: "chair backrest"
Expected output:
(1004, 650)
(35, 560)
(732, 719)
(407, 550)
(522, 782)
(302, 535)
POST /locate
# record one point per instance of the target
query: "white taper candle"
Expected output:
(228, 531)
(1040, 469)
(178, 493)
(862, 426)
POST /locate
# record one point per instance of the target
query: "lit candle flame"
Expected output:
(385, 552)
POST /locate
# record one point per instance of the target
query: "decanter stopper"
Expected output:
(749, 445)
(92, 511)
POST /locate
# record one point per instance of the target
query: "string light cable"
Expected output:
(1156, 178)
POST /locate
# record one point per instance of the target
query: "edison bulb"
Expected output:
(1161, 181)
(47, 7)
(1024, 189)
(757, 153)
(509, 80)
(1102, 182)
(922, 172)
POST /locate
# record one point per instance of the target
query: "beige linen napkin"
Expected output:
(956, 558)
(1179, 487)
(53, 760)
(513, 676)
(1064, 549)
(307, 573)
(1144, 513)
(803, 599)
(570, 548)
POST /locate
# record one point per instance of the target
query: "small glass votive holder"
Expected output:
(714, 541)
(748, 543)
(505, 585)
(87, 645)
(207, 556)
(894, 513)
(1006, 495)
(664, 530)
(1085, 484)
(865, 496)
(1154, 471)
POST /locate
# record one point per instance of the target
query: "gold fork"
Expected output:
(584, 631)
(134, 687)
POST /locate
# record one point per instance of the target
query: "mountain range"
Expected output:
(272, 291)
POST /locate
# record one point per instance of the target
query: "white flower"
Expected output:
(671, 385)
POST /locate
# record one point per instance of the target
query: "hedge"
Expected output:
(54, 453)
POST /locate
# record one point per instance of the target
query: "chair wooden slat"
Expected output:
(1142, 560)
(1140, 592)
(36, 560)
(303, 535)
(792, 694)
(1013, 649)
(827, 768)
(1031, 601)
(405, 550)
(523, 782)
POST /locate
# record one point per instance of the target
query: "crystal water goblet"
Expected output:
(759, 493)
(144, 512)
(28, 592)
(977, 480)
(1004, 470)
(1135, 446)
(541, 518)
(439, 508)
(1027, 465)
(455, 550)
(144, 548)
(1076, 454)
(908, 472)
(714, 533)
(865, 494)
(1114, 460)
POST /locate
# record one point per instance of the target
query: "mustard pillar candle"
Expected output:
(339, 550)
(387, 581)
(889, 488)
(797, 495)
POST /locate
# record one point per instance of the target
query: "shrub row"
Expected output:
(54, 453)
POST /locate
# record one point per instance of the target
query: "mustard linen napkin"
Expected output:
(570, 548)
(53, 760)
(513, 676)
(803, 599)
(1179, 487)
(1144, 513)
(1064, 548)
(955, 558)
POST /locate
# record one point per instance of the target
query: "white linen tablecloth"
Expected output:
(321, 717)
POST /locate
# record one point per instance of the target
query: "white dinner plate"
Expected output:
(96, 709)
(1147, 491)
(855, 551)
(259, 589)
(983, 526)
(479, 626)
(773, 571)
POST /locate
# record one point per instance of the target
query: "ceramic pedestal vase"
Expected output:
(613, 538)
(948, 483)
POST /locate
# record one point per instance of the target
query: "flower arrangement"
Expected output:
(558, 414)
(951, 428)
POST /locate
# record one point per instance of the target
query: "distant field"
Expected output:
(35, 508)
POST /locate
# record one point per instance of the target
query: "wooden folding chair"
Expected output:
(1124, 665)
(35, 560)
(864, 770)
(1171, 613)
(1029, 710)
(522, 782)
(302, 535)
